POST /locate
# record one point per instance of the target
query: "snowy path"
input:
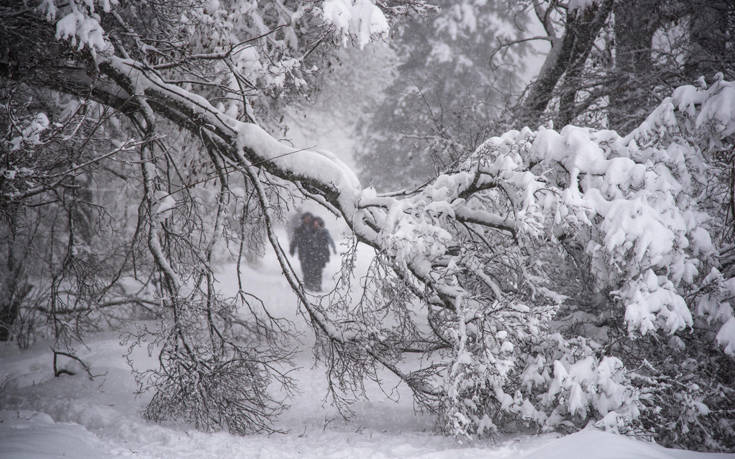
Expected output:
(71, 416)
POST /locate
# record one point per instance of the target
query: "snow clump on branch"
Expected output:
(632, 214)
(361, 19)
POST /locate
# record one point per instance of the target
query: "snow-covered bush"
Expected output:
(550, 264)
(595, 247)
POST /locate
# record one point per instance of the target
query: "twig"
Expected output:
(63, 371)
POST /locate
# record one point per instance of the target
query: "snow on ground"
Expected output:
(73, 416)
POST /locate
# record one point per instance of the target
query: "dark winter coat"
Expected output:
(312, 245)
(322, 240)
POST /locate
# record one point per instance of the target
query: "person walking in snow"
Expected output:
(322, 242)
(312, 241)
(303, 242)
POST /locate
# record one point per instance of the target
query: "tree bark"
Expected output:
(711, 29)
(635, 24)
(567, 53)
